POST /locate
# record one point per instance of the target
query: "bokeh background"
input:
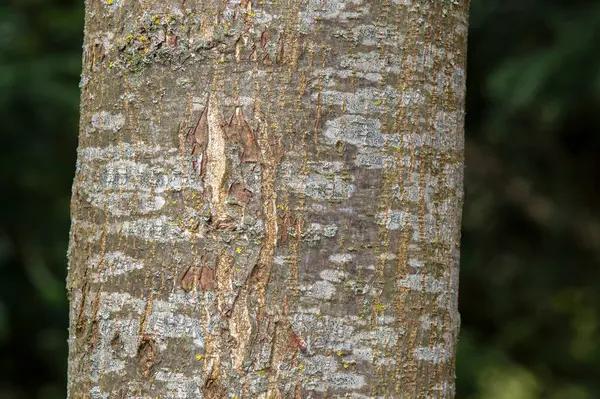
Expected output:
(530, 272)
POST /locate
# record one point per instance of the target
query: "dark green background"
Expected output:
(530, 275)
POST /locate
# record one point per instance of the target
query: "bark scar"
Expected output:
(148, 356)
(208, 140)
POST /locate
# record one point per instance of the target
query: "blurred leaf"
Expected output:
(508, 382)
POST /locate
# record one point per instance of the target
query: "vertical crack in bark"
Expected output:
(85, 289)
(254, 291)
(271, 155)
(269, 194)
(145, 315)
(238, 315)
(216, 156)
(208, 139)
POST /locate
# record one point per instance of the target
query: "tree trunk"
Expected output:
(267, 200)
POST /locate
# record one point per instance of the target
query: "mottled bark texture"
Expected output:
(267, 200)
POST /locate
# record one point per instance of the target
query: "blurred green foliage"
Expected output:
(40, 62)
(530, 280)
(530, 276)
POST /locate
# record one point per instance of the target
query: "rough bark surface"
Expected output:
(267, 200)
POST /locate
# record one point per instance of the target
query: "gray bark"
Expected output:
(267, 200)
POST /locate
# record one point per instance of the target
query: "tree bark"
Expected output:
(267, 200)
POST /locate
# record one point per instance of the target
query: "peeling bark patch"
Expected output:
(108, 121)
(239, 130)
(116, 343)
(207, 277)
(213, 389)
(147, 356)
(296, 341)
(211, 140)
(198, 138)
(240, 193)
(188, 279)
